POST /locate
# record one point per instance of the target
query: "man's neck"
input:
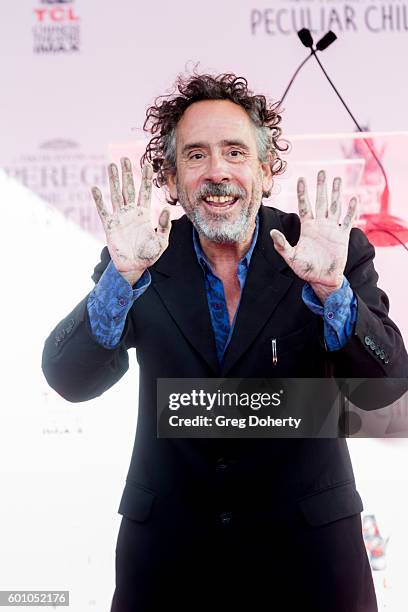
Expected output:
(226, 253)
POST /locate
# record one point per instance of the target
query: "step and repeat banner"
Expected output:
(78, 76)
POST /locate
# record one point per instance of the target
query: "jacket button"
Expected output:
(225, 518)
(367, 340)
(378, 350)
(221, 465)
(70, 325)
(373, 346)
(382, 355)
(60, 335)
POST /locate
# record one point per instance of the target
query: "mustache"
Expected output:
(220, 189)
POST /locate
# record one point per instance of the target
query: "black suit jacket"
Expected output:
(170, 327)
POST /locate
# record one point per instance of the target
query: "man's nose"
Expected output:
(217, 170)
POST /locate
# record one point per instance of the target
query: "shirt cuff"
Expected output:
(109, 303)
(339, 313)
(116, 294)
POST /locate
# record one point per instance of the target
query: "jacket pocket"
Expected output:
(331, 504)
(136, 502)
(301, 338)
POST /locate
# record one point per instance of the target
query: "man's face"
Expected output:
(219, 179)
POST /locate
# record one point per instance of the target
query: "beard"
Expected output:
(218, 227)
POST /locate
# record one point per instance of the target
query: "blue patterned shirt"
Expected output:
(339, 313)
(110, 301)
(112, 297)
(217, 303)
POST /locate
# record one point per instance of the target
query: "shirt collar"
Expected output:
(203, 261)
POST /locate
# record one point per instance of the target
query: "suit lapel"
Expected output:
(178, 279)
(269, 279)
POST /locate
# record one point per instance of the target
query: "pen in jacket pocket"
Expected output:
(274, 352)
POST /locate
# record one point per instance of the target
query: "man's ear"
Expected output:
(172, 185)
(267, 177)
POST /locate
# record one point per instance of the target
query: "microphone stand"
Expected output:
(373, 224)
(298, 69)
(376, 225)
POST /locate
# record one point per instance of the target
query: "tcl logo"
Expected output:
(55, 14)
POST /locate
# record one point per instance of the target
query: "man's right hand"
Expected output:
(132, 242)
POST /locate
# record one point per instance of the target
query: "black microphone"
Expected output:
(326, 41)
(306, 37)
(307, 40)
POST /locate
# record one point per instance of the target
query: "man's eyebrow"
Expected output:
(224, 143)
(235, 143)
(193, 145)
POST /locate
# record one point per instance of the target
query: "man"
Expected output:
(259, 524)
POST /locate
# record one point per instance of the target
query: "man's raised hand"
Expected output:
(320, 255)
(133, 243)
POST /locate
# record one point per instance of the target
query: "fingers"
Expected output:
(102, 210)
(322, 209)
(128, 185)
(305, 210)
(126, 196)
(321, 195)
(281, 244)
(164, 226)
(114, 184)
(350, 217)
(145, 192)
(335, 205)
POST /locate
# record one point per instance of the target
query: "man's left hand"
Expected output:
(320, 255)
